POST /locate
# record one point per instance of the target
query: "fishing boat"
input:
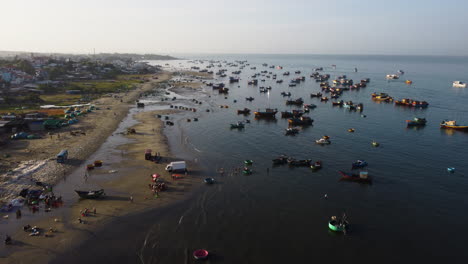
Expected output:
(298, 101)
(381, 97)
(408, 82)
(299, 163)
(209, 180)
(375, 143)
(392, 76)
(317, 165)
(238, 125)
(249, 98)
(98, 163)
(301, 121)
(244, 111)
(359, 164)
(285, 94)
(291, 131)
(451, 169)
(200, 254)
(248, 162)
(247, 171)
(452, 124)
(417, 121)
(339, 103)
(459, 84)
(268, 113)
(412, 103)
(325, 140)
(318, 95)
(336, 225)
(280, 160)
(91, 194)
(324, 99)
(362, 177)
(351, 130)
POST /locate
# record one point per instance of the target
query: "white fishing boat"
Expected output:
(392, 76)
(459, 84)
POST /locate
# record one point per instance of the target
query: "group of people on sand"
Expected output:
(157, 187)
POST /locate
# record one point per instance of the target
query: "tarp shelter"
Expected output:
(52, 124)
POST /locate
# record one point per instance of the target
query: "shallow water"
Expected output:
(414, 210)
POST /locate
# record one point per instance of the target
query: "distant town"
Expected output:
(25, 76)
(32, 85)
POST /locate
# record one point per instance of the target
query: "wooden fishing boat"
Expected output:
(359, 164)
(244, 111)
(381, 97)
(247, 171)
(91, 194)
(317, 165)
(375, 143)
(417, 121)
(292, 131)
(323, 141)
(248, 162)
(412, 103)
(238, 125)
(285, 94)
(249, 98)
(300, 121)
(200, 254)
(452, 124)
(268, 113)
(280, 160)
(299, 163)
(319, 94)
(362, 177)
(339, 103)
(298, 101)
(98, 163)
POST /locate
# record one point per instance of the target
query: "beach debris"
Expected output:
(113, 171)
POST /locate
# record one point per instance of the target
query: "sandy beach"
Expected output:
(126, 192)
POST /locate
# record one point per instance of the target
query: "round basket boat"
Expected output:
(200, 254)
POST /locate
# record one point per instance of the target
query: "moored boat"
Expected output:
(452, 124)
(244, 111)
(280, 160)
(248, 162)
(359, 164)
(268, 113)
(238, 125)
(362, 177)
(459, 84)
(292, 131)
(91, 194)
(300, 121)
(417, 121)
(317, 165)
(299, 163)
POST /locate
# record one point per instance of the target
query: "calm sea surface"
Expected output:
(414, 210)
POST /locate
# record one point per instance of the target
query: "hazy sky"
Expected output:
(438, 27)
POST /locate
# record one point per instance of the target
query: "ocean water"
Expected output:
(414, 210)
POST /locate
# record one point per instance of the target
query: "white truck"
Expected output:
(176, 166)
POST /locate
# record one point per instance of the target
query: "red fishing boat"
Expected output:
(362, 177)
(200, 254)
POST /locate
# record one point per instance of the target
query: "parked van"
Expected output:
(177, 166)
